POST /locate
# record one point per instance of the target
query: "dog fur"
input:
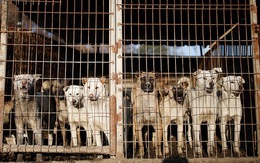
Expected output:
(77, 112)
(26, 109)
(57, 87)
(230, 108)
(146, 110)
(48, 109)
(203, 104)
(97, 104)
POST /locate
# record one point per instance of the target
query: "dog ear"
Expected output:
(37, 76)
(103, 80)
(84, 80)
(197, 72)
(65, 88)
(241, 79)
(217, 69)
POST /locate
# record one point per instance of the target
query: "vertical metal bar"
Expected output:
(115, 75)
(3, 52)
(256, 63)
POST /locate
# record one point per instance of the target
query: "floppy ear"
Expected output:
(217, 69)
(157, 75)
(65, 88)
(103, 80)
(197, 72)
(241, 79)
(84, 80)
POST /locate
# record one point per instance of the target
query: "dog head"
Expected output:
(178, 93)
(57, 87)
(94, 88)
(232, 84)
(206, 80)
(24, 83)
(147, 81)
(74, 95)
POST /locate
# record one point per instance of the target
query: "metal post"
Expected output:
(3, 52)
(115, 36)
(254, 35)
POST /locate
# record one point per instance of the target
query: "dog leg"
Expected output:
(165, 141)
(223, 123)
(189, 132)
(140, 140)
(97, 135)
(50, 139)
(73, 132)
(63, 133)
(237, 129)
(19, 132)
(211, 134)
(179, 123)
(19, 157)
(196, 131)
(159, 134)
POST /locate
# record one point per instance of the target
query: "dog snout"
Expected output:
(211, 84)
(148, 85)
(74, 101)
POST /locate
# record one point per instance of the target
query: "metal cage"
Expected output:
(129, 42)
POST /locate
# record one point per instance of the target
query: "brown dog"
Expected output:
(146, 110)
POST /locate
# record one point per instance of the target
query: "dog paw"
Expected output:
(237, 153)
(19, 158)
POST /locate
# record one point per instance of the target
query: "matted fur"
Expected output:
(26, 109)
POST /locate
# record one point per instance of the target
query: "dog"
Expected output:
(185, 83)
(203, 102)
(97, 104)
(8, 106)
(230, 108)
(144, 97)
(57, 87)
(48, 109)
(77, 112)
(27, 109)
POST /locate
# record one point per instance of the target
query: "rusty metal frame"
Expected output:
(256, 62)
(3, 53)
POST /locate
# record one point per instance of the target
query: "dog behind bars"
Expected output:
(26, 109)
(230, 108)
(203, 104)
(172, 108)
(146, 110)
(97, 103)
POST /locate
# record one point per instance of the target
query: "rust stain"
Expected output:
(113, 123)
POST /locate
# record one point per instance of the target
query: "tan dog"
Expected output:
(203, 104)
(230, 108)
(62, 112)
(172, 110)
(9, 105)
(146, 110)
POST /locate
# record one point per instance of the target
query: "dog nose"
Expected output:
(211, 84)
(24, 82)
(91, 95)
(147, 85)
(73, 101)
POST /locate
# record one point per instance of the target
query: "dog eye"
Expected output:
(88, 87)
(96, 87)
(204, 78)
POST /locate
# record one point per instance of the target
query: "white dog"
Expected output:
(27, 109)
(230, 108)
(146, 110)
(77, 112)
(97, 104)
(203, 103)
